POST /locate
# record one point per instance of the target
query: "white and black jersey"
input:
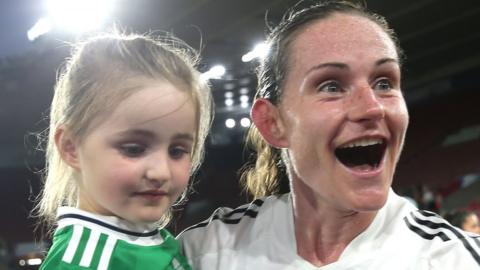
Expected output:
(261, 236)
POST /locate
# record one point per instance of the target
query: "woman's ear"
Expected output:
(266, 117)
(67, 147)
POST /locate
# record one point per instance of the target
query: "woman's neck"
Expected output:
(322, 232)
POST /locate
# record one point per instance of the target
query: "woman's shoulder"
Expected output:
(421, 235)
(440, 242)
(242, 216)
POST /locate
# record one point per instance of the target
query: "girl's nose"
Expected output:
(158, 170)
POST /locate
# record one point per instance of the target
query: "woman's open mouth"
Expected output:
(363, 154)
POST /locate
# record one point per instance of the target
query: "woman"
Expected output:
(330, 114)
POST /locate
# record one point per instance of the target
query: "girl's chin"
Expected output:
(146, 219)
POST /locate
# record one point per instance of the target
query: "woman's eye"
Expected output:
(383, 85)
(330, 87)
(132, 149)
(178, 152)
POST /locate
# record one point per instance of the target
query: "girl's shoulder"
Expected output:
(83, 248)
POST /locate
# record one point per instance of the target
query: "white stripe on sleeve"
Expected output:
(90, 249)
(107, 253)
(73, 244)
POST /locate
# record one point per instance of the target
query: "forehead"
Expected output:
(157, 104)
(153, 101)
(341, 38)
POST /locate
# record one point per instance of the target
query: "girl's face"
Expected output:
(135, 163)
(344, 114)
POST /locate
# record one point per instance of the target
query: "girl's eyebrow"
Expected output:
(137, 132)
(149, 134)
(183, 136)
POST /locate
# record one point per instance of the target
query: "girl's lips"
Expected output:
(151, 194)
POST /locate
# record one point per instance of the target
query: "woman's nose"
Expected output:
(365, 105)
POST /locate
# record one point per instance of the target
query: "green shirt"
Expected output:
(86, 241)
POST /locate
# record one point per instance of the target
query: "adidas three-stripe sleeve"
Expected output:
(261, 236)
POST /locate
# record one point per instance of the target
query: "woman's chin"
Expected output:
(370, 201)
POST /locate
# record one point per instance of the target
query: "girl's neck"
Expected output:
(119, 221)
(322, 232)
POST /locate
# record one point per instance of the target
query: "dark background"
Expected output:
(441, 39)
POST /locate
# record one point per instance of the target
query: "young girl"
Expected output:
(127, 126)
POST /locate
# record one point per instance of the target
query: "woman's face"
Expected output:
(343, 113)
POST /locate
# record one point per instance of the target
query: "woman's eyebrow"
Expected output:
(386, 61)
(337, 65)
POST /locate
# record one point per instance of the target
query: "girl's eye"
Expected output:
(132, 149)
(177, 152)
(330, 87)
(383, 85)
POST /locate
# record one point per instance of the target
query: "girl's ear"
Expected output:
(67, 147)
(266, 117)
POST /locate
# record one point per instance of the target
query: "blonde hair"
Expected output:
(91, 85)
(262, 176)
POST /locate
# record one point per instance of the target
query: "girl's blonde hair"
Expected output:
(91, 84)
